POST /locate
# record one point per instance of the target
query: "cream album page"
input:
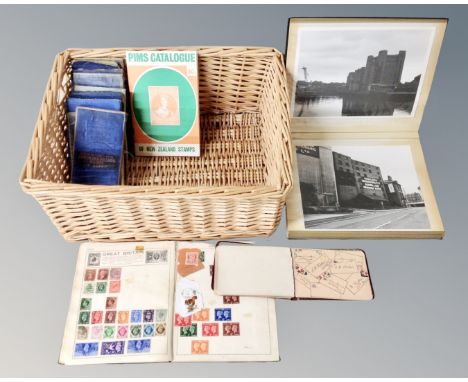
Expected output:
(121, 304)
(210, 327)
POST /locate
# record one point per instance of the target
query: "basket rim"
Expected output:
(47, 188)
(209, 49)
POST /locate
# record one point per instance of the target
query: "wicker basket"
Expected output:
(236, 188)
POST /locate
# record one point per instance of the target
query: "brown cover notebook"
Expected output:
(335, 274)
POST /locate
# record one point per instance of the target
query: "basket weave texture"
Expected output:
(236, 188)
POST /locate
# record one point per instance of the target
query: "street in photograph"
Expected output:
(360, 187)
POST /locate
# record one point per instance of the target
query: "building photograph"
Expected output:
(372, 71)
(360, 187)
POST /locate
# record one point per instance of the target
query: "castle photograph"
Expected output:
(353, 72)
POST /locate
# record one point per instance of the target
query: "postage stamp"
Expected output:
(122, 332)
(96, 332)
(96, 317)
(94, 259)
(112, 347)
(111, 302)
(160, 329)
(223, 314)
(110, 316)
(103, 274)
(82, 333)
(90, 274)
(135, 331)
(188, 331)
(101, 287)
(148, 315)
(160, 315)
(86, 349)
(182, 321)
(139, 346)
(191, 257)
(115, 273)
(231, 329)
(210, 329)
(109, 332)
(231, 299)
(122, 316)
(136, 316)
(200, 347)
(202, 315)
(88, 288)
(156, 256)
(83, 318)
(85, 304)
(148, 330)
(201, 257)
(114, 286)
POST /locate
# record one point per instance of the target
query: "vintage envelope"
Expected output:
(188, 297)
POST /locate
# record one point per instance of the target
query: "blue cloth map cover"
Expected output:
(99, 136)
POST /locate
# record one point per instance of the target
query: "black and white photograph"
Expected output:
(360, 187)
(360, 70)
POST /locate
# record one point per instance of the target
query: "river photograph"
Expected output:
(354, 70)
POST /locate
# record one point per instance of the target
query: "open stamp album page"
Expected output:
(218, 328)
(153, 302)
(121, 304)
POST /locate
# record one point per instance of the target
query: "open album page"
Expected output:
(335, 274)
(208, 327)
(121, 304)
(250, 270)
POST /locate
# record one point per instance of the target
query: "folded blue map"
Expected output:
(96, 78)
(96, 94)
(83, 64)
(98, 145)
(97, 103)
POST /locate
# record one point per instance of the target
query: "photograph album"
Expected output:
(358, 90)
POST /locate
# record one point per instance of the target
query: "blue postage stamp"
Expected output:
(136, 316)
(86, 349)
(223, 314)
(139, 346)
(148, 330)
(112, 347)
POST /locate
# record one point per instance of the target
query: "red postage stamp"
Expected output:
(103, 274)
(114, 286)
(183, 321)
(111, 302)
(90, 275)
(210, 329)
(96, 317)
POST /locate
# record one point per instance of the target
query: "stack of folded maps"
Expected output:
(96, 111)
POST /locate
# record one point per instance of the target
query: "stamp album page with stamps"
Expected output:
(153, 302)
(229, 328)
